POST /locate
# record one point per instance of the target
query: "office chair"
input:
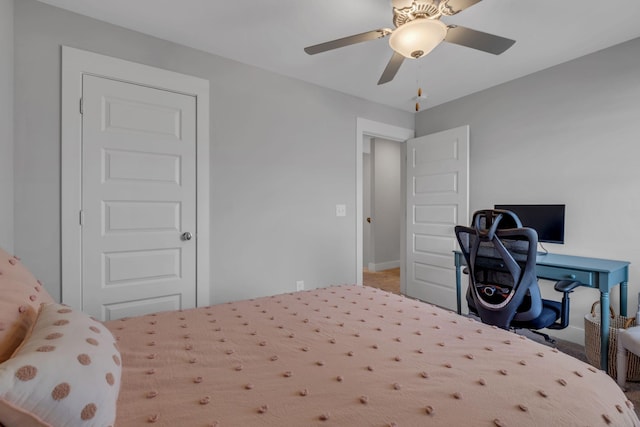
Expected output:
(503, 287)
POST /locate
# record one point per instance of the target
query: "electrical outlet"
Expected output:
(300, 285)
(341, 210)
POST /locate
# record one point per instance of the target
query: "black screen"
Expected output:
(547, 220)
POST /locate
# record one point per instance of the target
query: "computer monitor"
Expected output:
(547, 220)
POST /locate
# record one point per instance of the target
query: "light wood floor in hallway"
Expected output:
(389, 280)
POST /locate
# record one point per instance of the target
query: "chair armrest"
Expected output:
(566, 286)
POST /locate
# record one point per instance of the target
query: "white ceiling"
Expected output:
(271, 34)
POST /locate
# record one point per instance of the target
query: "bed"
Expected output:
(342, 356)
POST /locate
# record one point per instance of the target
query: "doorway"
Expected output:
(447, 148)
(77, 66)
(382, 178)
(365, 130)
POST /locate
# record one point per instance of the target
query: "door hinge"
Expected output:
(81, 108)
(81, 218)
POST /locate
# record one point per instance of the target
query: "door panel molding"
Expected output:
(437, 197)
(75, 64)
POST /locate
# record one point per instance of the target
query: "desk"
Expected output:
(601, 274)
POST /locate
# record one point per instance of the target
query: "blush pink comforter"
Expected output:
(350, 356)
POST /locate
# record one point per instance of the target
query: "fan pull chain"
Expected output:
(419, 72)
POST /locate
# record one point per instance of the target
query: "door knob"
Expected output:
(186, 236)
(369, 220)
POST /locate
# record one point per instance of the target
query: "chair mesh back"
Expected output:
(500, 256)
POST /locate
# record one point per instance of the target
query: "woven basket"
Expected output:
(592, 342)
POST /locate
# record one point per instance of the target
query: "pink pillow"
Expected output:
(66, 373)
(20, 298)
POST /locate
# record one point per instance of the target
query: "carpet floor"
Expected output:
(389, 280)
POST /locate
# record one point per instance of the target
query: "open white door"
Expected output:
(437, 199)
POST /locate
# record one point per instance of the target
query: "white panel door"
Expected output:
(138, 198)
(437, 200)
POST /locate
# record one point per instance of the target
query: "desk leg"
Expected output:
(604, 330)
(458, 278)
(623, 299)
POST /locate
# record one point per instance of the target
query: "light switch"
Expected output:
(341, 210)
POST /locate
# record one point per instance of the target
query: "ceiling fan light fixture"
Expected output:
(418, 37)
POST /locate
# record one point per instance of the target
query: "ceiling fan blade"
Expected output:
(391, 69)
(478, 40)
(346, 41)
(457, 6)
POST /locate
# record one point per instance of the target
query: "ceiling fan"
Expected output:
(418, 31)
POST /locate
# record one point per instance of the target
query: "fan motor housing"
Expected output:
(419, 9)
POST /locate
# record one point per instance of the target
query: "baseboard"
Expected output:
(383, 265)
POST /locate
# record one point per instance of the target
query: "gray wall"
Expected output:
(386, 203)
(282, 157)
(569, 134)
(6, 125)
